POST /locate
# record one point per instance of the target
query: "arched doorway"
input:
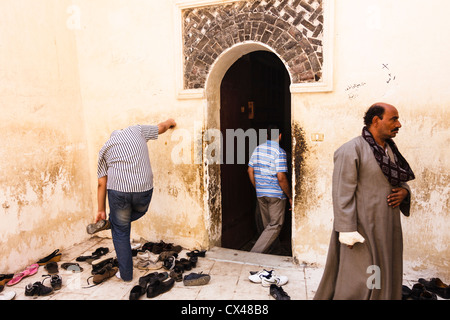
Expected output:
(254, 93)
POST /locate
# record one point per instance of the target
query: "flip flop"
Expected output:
(32, 269)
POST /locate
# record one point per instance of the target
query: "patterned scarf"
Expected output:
(396, 172)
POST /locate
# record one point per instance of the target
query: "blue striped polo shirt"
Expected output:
(268, 159)
(125, 160)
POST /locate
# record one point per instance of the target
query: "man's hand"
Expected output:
(166, 125)
(101, 215)
(396, 197)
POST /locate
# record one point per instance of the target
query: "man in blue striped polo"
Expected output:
(267, 171)
(125, 175)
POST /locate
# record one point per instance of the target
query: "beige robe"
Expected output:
(371, 270)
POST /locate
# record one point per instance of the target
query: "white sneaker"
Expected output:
(255, 277)
(272, 278)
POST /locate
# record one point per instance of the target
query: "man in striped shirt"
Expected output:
(125, 175)
(267, 171)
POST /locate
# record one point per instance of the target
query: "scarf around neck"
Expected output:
(396, 170)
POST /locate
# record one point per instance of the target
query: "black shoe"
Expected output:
(406, 293)
(97, 254)
(196, 253)
(278, 293)
(52, 267)
(100, 251)
(187, 265)
(435, 285)
(37, 288)
(158, 287)
(193, 261)
(55, 281)
(169, 263)
(99, 266)
(177, 276)
(55, 256)
(418, 292)
(140, 289)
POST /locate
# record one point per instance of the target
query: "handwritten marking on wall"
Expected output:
(353, 89)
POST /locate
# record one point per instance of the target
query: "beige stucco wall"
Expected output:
(407, 37)
(73, 71)
(44, 181)
(127, 75)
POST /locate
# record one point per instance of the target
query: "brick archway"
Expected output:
(292, 28)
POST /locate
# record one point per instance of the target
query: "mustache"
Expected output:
(396, 130)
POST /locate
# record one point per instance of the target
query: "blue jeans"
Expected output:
(125, 207)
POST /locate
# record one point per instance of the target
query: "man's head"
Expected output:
(273, 132)
(382, 120)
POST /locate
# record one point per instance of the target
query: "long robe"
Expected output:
(371, 270)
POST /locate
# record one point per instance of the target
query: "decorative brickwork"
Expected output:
(291, 28)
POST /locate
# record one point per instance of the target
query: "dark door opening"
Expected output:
(254, 93)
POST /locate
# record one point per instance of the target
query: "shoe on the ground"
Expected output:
(176, 275)
(149, 265)
(29, 271)
(278, 293)
(55, 256)
(196, 279)
(272, 278)
(167, 254)
(419, 292)
(196, 253)
(193, 261)
(105, 273)
(256, 276)
(406, 293)
(72, 266)
(98, 226)
(147, 255)
(52, 267)
(97, 254)
(435, 285)
(55, 280)
(37, 288)
(4, 278)
(157, 287)
(140, 289)
(101, 259)
(187, 265)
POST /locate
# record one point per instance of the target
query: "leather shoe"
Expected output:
(435, 285)
(158, 287)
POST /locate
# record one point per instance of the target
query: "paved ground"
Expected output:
(229, 271)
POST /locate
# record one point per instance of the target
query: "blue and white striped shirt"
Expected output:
(124, 159)
(268, 159)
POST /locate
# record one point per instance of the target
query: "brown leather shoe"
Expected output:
(105, 273)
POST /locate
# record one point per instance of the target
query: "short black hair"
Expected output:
(273, 131)
(374, 111)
